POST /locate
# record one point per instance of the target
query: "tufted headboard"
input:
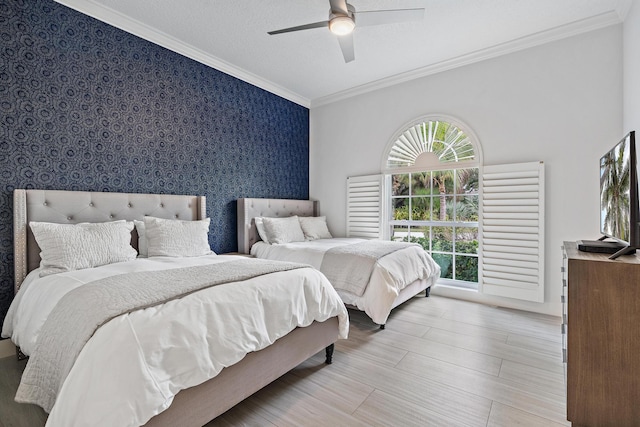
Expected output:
(71, 207)
(248, 209)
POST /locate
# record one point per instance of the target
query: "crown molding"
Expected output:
(557, 33)
(132, 26)
(622, 8)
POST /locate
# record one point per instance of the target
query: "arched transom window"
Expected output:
(430, 143)
(434, 199)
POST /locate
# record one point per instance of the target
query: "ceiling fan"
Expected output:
(343, 19)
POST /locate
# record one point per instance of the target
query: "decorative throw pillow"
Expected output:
(177, 238)
(68, 247)
(314, 227)
(283, 230)
(142, 238)
(261, 231)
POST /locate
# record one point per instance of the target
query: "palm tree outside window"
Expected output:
(432, 170)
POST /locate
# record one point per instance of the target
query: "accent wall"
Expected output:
(86, 106)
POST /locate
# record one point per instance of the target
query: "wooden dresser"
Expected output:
(601, 338)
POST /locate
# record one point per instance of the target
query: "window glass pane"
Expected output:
(399, 233)
(421, 183)
(467, 208)
(442, 239)
(400, 185)
(468, 181)
(443, 208)
(467, 240)
(421, 208)
(420, 235)
(401, 208)
(466, 153)
(445, 261)
(466, 268)
(443, 181)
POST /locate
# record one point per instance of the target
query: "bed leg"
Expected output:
(329, 354)
(19, 354)
(427, 292)
(382, 326)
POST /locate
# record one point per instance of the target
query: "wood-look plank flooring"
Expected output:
(439, 362)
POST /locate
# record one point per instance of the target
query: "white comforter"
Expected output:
(133, 366)
(389, 276)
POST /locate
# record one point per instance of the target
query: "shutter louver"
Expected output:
(364, 206)
(512, 256)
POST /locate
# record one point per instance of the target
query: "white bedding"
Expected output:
(132, 367)
(389, 276)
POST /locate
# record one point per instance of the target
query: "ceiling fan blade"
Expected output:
(339, 6)
(346, 45)
(392, 16)
(300, 27)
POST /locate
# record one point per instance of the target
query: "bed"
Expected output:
(145, 366)
(395, 278)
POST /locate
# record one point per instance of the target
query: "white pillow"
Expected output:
(283, 230)
(142, 238)
(176, 238)
(261, 231)
(314, 227)
(68, 247)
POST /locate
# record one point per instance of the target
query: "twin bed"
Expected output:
(399, 271)
(180, 343)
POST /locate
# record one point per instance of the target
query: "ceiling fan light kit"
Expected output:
(342, 25)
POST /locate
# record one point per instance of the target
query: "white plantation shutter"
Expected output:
(512, 218)
(365, 206)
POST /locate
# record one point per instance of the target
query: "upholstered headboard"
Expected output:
(248, 209)
(71, 207)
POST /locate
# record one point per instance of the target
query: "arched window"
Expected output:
(432, 165)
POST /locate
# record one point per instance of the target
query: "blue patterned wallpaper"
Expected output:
(86, 106)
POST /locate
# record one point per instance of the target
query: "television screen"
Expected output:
(618, 192)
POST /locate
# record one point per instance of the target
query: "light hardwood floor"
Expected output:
(439, 362)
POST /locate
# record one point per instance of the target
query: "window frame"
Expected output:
(389, 223)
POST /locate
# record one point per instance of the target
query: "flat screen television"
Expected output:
(619, 208)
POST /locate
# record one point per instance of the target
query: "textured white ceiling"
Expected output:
(307, 66)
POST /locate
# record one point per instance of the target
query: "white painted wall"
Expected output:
(560, 103)
(631, 69)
